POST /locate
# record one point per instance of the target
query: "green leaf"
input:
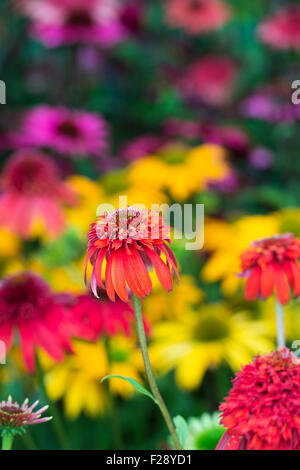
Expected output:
(181, 429)
(136, 385)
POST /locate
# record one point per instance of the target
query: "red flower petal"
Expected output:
(117, 274)
(131, 276)
(267, 280)
(253, 283)
(162, 270)
(108, 280)
(281, 284)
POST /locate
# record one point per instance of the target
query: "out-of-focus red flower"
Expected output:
(28, 306)
(272, 263)
(32, 190)
(131, 240)
(13, 416)
(197, 16)
(262, 410)
(57, 22)
(104, 317)
(209, 79)
(70, 132)
(281, 31)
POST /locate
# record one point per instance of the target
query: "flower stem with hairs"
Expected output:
(150, 376)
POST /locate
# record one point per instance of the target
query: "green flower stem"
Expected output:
(150, 376)
(57, 424)
(7, 440)
(280, 328)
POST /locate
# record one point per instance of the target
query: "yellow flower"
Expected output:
(226, 241)
(10, 244)
(78, 378)
(90, 195)
(179, 171)
(204, 339)
(291, 318)
(161, 304)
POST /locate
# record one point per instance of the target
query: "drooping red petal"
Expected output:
(27, 347)
(253, 283)
(267, 280)
(108, 280)
(281, 284)
(131, 276)
(90, 253)
(293, 271)
(162, 270)
(98, 266)
(171, 259)
(118, 275)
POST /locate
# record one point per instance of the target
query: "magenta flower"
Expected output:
(281, 31)
(13, 416)
(57, 22)
(74, 133)
(33, 191)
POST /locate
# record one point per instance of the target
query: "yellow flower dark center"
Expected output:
(210, 328)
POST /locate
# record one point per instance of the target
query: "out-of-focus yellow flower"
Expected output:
(78, 378)
(226, 241)
(204, 339)
(10, 244)
(161, 304)
(134, 187)
(90, 195)
(180, 171)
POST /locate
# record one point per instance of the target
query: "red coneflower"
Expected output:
(131, 240)
(262, 410)
(272, 263)
(32, 191)
(28, 306)
(105, 317)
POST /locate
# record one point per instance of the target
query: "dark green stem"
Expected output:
(149, 373)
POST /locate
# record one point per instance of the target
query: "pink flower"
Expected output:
(28, 307)
(197, 16)
(32, 190)
(209, 79)
(57, 22)
(13, 416)
(282, 31)
(74, 133)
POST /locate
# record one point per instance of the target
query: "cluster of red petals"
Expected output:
(262, 410)
(32, 189)
(103, 318)
(131, 240)
(272, 263)
(29, 307)
(282, 31)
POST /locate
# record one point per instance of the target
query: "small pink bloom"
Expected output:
(31, 191)
(57, 22)
(74, 133)
(210, 80)
(282, 31)
(13, 416)
(197, 16)
(141, 147)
